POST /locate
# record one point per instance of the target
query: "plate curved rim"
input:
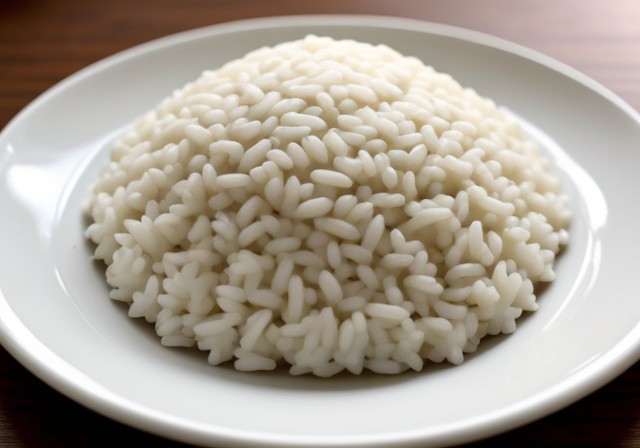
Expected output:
(62, 376)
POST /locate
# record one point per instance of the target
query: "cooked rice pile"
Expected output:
(328, 205)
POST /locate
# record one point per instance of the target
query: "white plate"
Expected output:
(56, 319)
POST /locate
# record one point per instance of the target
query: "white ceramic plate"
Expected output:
(56, 319)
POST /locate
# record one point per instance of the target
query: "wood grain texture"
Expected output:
(44, 41)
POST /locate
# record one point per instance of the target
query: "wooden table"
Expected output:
(43, 41)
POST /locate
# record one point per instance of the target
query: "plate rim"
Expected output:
(62, 376)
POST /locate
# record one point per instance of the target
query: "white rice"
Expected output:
(327, 205)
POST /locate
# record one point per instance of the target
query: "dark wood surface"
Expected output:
(44, 41)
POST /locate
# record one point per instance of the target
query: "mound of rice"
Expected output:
(327, 205)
